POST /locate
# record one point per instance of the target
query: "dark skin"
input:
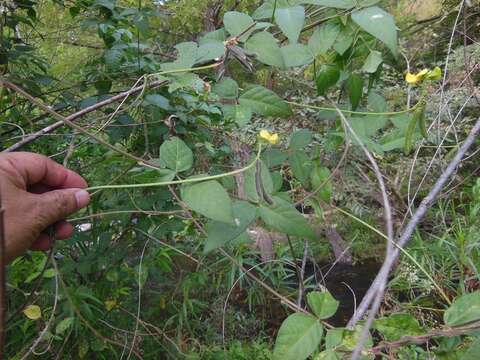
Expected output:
(37, 194)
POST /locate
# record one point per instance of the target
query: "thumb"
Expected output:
(56, 205)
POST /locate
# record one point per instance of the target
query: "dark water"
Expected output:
(343, 281)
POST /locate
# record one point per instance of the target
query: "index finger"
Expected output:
(39, 169)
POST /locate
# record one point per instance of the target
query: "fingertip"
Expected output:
(82, 197)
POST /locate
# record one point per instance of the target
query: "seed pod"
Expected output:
(411, 131)
(422, 121)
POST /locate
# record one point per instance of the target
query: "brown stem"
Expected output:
(422, 339)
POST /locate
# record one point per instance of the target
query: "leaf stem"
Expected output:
(185, 181)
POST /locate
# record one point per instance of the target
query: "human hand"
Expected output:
(36, 192)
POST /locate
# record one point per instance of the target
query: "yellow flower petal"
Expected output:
(33, 312)
(411, 78)
(265, 134)
(274, 139)
(271, 138)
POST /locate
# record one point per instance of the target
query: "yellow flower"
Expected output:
(271, 138)
(412, 78)
(434, 74)
(110, 304)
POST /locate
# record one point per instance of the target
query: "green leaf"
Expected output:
(300, 139)
(379, 24)
(323, 39)
(240, 114)
(318, 177)
(464, 309)
(343, 41)
(176, 155)
(365, 128)
(210, 199)
(64, 325)
(401, 122)
(392, 141)
(158, 101)
(187, 55)
(295, 55)
(49, 273)
(264, 102)
(372, 62)
(266, 49)
(236, 22)
(334, 338)
(397, 325)
(220, 234)
(354, 87)
(298, 337)
(290, 20)
(227, 88)
(368, 126)
(327, 77)
(322, 304)
(213, 36)
(210, 51)
(113, 57)
(376, 102)
(273, 157)
(265, 11)
(301, 166)
(283, 217)
(328, 355)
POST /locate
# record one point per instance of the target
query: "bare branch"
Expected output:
(377, 288)
(71, 118)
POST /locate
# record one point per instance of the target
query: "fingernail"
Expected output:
(83, 198)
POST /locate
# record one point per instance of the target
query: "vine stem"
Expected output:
(185, 181)
(391, 113)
